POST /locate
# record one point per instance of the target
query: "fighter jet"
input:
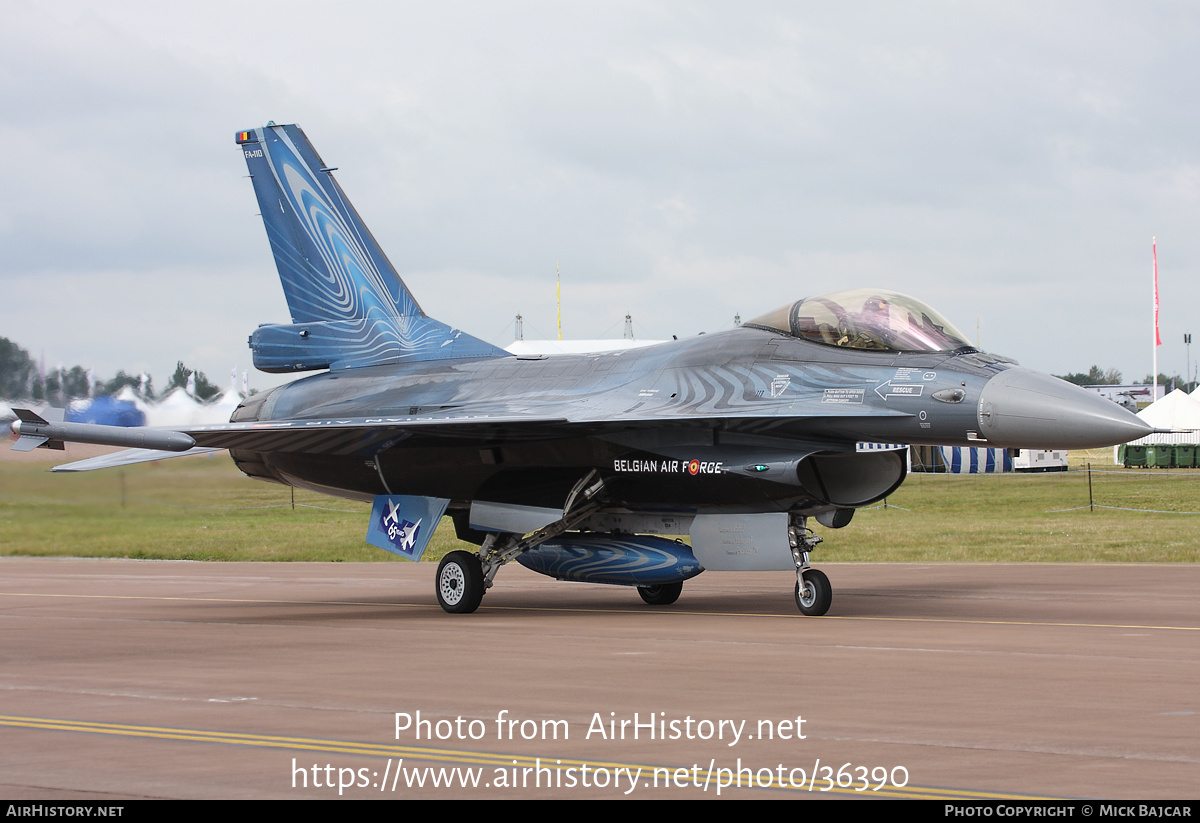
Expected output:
(590, 467)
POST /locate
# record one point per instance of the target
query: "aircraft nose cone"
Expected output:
(1022, 409)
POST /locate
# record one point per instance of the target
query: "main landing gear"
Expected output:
(663, 595)
(460, 584)
(463, 577)
(814, 595)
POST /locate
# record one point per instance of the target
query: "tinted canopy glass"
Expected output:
(867, 319)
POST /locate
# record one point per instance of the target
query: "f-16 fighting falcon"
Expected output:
(589, 467)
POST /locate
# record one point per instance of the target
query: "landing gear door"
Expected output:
(402, 524)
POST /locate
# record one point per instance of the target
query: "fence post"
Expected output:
(1091, 505)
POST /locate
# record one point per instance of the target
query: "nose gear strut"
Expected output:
(814, 594)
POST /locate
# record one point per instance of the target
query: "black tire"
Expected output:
(459, 583)
(663, 595)
(817, 595)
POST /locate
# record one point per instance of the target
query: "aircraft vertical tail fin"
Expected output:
(349, 306)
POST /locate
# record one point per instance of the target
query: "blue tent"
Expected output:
(108, 411)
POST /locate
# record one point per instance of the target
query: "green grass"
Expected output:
(1016, 518)
(204, 509)
(194, 508)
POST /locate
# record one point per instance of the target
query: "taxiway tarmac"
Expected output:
(130, 679)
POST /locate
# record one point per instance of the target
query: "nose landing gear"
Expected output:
(814, 595)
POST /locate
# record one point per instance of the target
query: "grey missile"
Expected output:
(33, 431)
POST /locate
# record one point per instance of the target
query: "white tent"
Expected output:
(177, 408)
(128, 395)
(221, 409)
(1177, 410)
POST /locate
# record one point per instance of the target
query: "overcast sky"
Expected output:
(682, 162)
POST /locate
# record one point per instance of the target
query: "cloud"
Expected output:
(678, 162)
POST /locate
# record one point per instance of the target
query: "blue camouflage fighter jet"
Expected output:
(588, 466)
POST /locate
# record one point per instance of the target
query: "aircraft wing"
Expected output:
(319, 436)
(334, 436)
(355, 435)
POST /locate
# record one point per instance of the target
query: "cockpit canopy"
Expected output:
(867, 319)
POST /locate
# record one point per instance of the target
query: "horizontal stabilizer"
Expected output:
(127, 458)
(340, 344)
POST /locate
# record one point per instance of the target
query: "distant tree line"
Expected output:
(22, 379)
(1163, 380)
(1095, 376)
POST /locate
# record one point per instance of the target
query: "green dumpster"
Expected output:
(1185, 455)
(1159, 456)
(1133, 456)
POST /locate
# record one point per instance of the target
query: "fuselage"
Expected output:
(675, 426)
